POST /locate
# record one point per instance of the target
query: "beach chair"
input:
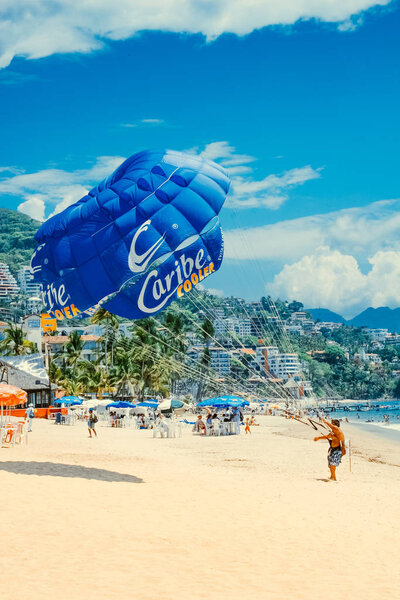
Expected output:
(8, 437)
(21, 432)
(217, 427)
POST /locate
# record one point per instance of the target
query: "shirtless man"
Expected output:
(337, 446)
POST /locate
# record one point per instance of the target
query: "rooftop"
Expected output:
(64, 339)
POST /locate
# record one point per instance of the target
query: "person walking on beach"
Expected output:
(247, 427)
(337, 447)
(91, 423)
(30, 415)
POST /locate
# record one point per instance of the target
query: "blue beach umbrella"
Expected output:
(236, 400)
(120, 404)
(209, 402)
(68, 401)
(223, 402)
(147, 404)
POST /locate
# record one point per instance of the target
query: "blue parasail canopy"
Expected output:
(141, 238)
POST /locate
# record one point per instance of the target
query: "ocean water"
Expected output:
(387, 413)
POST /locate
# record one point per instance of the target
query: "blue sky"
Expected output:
(305, 115)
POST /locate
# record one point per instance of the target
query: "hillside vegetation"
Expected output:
(17, 242)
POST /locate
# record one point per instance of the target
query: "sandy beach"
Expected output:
(129, 516)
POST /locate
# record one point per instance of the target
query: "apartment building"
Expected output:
(8, 283)
(233, 326)
(56, 344)
(281, 365)
(26, 283)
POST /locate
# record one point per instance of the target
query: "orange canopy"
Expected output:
(11, 395)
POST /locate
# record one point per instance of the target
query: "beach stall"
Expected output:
(11, 432)
(119, 413)
(65, 417)
(224, 419)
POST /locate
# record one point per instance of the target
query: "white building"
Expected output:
(26, 283)
(294, 329)
(55, 345)
(233, 326)
(220, 360)
(8, 283)
(369, 357)
(379, 335)
(282, 365)
(32, 329)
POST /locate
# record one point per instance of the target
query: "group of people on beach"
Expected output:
(208, 424)
(335, 436)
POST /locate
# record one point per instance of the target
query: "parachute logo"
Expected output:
(141, 238)
(138, 262)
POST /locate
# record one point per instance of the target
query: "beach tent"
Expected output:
(121, 404)
(68, 401)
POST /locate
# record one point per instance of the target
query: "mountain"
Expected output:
(16, 238)
(324, 314)
(378, 318)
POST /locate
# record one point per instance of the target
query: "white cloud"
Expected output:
(144, 122)
(56, 188)
(246, 191)
(42, 28)
(331, 279)
(152, 121)
(34, 206)
(360, 231)
(345, 260)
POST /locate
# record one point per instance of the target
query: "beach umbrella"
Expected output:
(147, 404)
(68, 401)
(210, 402)
(10, 395)
(236, 400)
(223, 402)
(121, 404)
(170, 405)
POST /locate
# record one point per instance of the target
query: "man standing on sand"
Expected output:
(29, 415)
(91, 423)
(337, 447)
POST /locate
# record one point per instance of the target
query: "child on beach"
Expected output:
(247, 427)
(337, 447)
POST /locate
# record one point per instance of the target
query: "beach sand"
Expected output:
(252, 517)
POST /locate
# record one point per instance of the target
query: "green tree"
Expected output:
(14, 342)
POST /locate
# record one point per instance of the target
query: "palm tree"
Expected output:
(111, 325)
(124, 372)
(14, 342)
(74, 349)
(71, 386)
(103, 317)
(93, 377)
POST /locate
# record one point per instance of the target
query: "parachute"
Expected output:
(144, 236)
